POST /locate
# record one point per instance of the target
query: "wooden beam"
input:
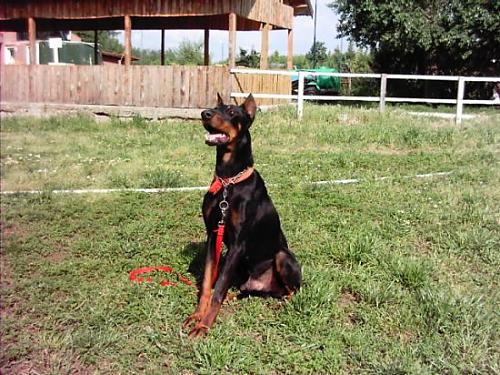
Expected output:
(162, 53)
(206, 46)
(289, 60)
(232, 40)
(264, 45)
(128, 39)
(96, 47)
(32, 39)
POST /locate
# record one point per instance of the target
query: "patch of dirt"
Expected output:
(57, 257)
(17, 367)
(47, 362)
(406, 337)
(10, 229)
(5, 270)
(346, 301)
(423, 246)
(348, 297)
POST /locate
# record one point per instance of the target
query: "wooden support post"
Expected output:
(460, 100)
(96, 47)
(162, 53)
(383, 91)
(128, 40)
(32, 39)
(232, 40)
(264, 45)
(206, 46)
(289, 60)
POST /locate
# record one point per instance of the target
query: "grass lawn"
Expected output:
(400, 275)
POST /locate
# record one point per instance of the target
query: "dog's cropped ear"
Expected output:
(249, 106)
(220, 102)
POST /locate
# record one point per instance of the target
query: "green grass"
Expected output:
(400, 275)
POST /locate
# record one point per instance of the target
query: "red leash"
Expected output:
(218, 249)
(134, 275)
(217, 184)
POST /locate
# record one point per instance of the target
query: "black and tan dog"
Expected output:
(258, 260)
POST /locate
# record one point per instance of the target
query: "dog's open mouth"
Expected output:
(216, 139)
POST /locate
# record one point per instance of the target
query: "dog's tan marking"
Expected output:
(235, 217)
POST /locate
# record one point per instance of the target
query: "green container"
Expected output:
(327, 82)
(318, 85)
(77, 53)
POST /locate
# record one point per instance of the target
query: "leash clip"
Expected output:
(224, 205)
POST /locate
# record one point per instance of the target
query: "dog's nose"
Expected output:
(207, 114)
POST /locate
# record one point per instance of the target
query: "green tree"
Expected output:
(427, 36)
(188, 53)
(107, 40)
(277, 61)
(317, 55)
(250, 59)
(301, 62)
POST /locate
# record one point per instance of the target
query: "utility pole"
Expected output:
(315, 49)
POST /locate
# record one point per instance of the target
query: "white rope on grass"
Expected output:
(203, 188)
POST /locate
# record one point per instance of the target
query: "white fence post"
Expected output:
(383, 91)
(300, 96)
(460, 100)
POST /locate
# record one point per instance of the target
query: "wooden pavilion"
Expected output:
(52, 15)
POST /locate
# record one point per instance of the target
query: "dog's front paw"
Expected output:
(199, 330)
(193, 318)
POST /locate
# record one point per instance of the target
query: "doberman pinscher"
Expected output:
(258, 260)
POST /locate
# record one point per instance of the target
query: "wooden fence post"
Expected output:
(128, 39)
(96, 47)
(383, 91)
(460, 100)
(206, 47)
(232, 40)
(32, 40)
(289, 57)
(300, 98)
(162, 51)
(264, 45)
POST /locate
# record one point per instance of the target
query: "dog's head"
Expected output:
(226, 124)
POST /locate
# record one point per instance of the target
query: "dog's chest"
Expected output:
(212, 212)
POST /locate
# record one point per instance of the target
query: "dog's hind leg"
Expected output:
(264, 281)
(278, 277)
(289, 270)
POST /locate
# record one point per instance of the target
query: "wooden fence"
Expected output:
(172, 86)
(256, 83)
(143, 86)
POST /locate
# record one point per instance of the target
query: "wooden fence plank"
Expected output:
(148, 86)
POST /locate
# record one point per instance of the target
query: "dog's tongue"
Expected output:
(216, 139)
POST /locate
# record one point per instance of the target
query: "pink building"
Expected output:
(14, 46)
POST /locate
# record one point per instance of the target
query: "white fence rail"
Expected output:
(382, 98)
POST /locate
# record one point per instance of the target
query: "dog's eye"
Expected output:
(231, 113)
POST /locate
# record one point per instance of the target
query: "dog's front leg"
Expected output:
(222, 285)
(206, 286)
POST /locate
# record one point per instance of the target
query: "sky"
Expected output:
(303, 36)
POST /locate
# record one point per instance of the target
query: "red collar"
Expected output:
(219, 182)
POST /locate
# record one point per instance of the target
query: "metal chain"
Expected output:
(224, 205)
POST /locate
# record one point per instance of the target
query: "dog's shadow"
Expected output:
(196, 251)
